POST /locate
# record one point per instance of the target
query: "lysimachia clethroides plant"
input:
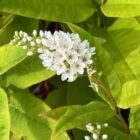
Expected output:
(70, 70)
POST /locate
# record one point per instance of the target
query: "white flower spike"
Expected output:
(61, 52)
(96, 131)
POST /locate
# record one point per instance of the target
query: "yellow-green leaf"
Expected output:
(4, 116)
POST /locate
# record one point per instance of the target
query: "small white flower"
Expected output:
(47, 63)
(87, 138)
(25, 34)
(34, 33)
(40, 50)
(32, 43)
(92, 50)
(99, 126)
(64, 76)
(59, 68)
(65, 44)
(104, 136)
(86, 59)
(59, 56)
(16, 33)
(30, 53)
(49, 36)
(105, 125)
(71, 57)
(75, 38)
(41, 33)
(68, 74)
(90, 71)
(47, 58)
(13, 41)
(95, 136)
(81, 49)
(89, 124)
(46, 54)
(44, 42)
(21, 33)
(24, 39)
(72, 77)
(90, 127)
(78, 67)
(25, 47)
(29, 38)
(38, 41)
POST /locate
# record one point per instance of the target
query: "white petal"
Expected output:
(40, 50)
(16, 33)
(92, 49)
(81, 71)
(34, 32)
(64, 77)
(41, 33)
(44, 42)
(95, 136)
(72, 78)
(98, 126)
(29, 38)
(38, 41)
(21, 33)
(87, 138)
(104, 136)
(32, 43)
(105, 125)
(30, 53)
(24, 39)
(25, 47)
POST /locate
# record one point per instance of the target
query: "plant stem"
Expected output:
(118, 112)
(123, 121)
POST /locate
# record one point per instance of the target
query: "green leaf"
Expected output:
(16, 23)
(122, 52)
(25, 118)
(27, 73)
(74, 93)
(135, 118)
(97, 43)
(5, 21)
(122, 137)
(10, 56)
(130, 94)
(58, 96)
(115, 126)
(4, 116)
(64, 11)
(126, 137)
(78, 134)
(56, 113)
(121, 8)
(79, 92)
(118, 56)
(81, 115)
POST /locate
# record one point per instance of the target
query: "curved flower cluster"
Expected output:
(62, 52)
(95, 131)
